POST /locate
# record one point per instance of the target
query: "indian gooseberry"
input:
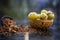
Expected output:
(44, 11)
(50, 15)
(43, 16)
(32, 15)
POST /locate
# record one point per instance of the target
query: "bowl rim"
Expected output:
(42, 20)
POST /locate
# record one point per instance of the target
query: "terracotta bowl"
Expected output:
(40, 23)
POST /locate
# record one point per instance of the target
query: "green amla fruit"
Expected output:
(44, 11)
(38, 16)
(50, 15)
(43, 16)
(49, 12)
(32, 15)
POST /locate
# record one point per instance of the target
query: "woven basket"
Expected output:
(41, 23)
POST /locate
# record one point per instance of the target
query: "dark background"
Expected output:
(19, 9)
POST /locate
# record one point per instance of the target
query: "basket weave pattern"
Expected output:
(40, 23)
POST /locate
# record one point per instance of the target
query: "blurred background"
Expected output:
(19, 9)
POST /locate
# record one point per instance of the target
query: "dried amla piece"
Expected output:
(5, 20)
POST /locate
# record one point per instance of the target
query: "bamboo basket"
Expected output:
(41, 23)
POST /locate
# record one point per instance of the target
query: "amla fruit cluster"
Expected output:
(43, 15)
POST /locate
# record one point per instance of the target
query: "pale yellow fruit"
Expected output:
(32, 15)
(43, 16)
(44, 11)
(38, 16)
(50, 12)
(50, 15)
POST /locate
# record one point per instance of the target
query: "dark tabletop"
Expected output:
(52, 34)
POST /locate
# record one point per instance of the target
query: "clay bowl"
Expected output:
(42, 24)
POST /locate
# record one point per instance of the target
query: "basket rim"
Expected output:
(42, 20)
